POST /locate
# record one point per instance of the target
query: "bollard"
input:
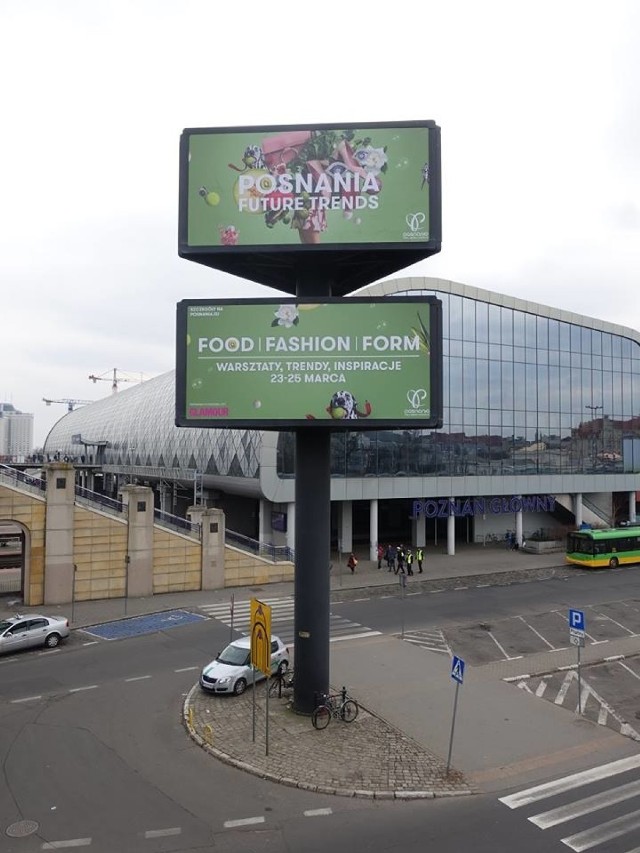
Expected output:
(208, 733)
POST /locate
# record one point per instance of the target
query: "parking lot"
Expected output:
(518, 636)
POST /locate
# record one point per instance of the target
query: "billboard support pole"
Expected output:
(312, 549)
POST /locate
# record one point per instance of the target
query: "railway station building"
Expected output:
(540, 435)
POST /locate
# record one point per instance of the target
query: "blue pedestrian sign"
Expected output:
(457, 669)
(576, 621)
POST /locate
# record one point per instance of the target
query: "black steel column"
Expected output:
(312, 545)
(312, 585)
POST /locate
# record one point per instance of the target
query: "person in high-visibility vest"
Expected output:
(419, 558)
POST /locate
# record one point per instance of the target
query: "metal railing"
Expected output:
(86, 496)
(12, 475)
(275, 553)
(176, 522)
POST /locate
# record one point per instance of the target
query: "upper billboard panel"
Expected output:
(286, 193)
(351, 363)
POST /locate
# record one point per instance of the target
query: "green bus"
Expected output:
(597, 548)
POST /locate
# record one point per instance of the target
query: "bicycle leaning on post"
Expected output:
(334, 705)
(281, 682)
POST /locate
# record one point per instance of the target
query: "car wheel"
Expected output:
(240, 686)
(613, 563)
(52, 641)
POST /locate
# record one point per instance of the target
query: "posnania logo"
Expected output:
(414, 222)
(416, 397)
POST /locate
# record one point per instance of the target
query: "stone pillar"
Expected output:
(212, 533)
(451, 531)
(519, 528)
(291, 526)
(139, 558)
(577, 508)
(632, 507)
(58, 551)
(373, 529)
(346, 527)
(264, 522)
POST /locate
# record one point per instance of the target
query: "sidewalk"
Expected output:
(398, 745)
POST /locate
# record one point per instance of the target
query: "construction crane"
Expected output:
(112, 376)
(70, 404)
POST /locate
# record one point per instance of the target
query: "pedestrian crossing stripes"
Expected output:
(562, 689)
(433, 640)
(597, 817)
(282, 616)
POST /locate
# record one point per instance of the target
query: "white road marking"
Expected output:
(317, 812)
(537, 633)
(362, 599)
(186, 669)
(504, 652)
(355, 636)
(79, 689)
(26, 699)
(541, 688)
(161, 833)
(604, 832)
(91, 643)
(619, 624)
(72, 842)
(628, 668)
(245, 821)
(566, 783)
(587, 805)
(138, 678)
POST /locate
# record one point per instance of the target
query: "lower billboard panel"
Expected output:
(289, 363)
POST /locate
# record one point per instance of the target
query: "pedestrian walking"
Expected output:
(409, 560)
(380, 555)
(393, 553)
(352, 562)
(419, 559)
(400, 560)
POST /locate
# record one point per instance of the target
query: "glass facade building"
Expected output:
(535, 400)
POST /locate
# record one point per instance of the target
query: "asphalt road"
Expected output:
(95, 756)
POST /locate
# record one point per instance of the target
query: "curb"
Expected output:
(354, 793)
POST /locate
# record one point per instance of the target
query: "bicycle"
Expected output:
(281, 680)
(334, 705)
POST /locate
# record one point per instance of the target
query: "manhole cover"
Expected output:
(22, 828)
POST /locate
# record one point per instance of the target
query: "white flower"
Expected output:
(286, 315)
(371, 159)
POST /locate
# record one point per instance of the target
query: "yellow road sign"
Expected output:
(261, 636)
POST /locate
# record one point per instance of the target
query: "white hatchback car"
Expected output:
(25, 632)
(231, 671)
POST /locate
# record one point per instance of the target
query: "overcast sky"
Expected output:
(538, 105)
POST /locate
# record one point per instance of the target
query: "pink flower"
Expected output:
(229, 235)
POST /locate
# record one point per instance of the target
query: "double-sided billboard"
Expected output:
(368, 363)
(286, 192)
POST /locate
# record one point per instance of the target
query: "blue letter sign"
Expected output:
(576, 620)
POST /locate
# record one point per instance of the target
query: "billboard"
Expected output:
(368, 363)
(287, 192)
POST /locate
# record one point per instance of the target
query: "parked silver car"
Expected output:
(231, 671)
(24, 632)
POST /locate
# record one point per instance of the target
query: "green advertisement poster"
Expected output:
(358, 363)
(264, 187)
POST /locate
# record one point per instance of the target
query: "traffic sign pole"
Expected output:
(453, 725)
(577, 631)
(457, 673)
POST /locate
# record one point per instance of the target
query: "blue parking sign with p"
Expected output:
(576, 619)
(457, 669)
